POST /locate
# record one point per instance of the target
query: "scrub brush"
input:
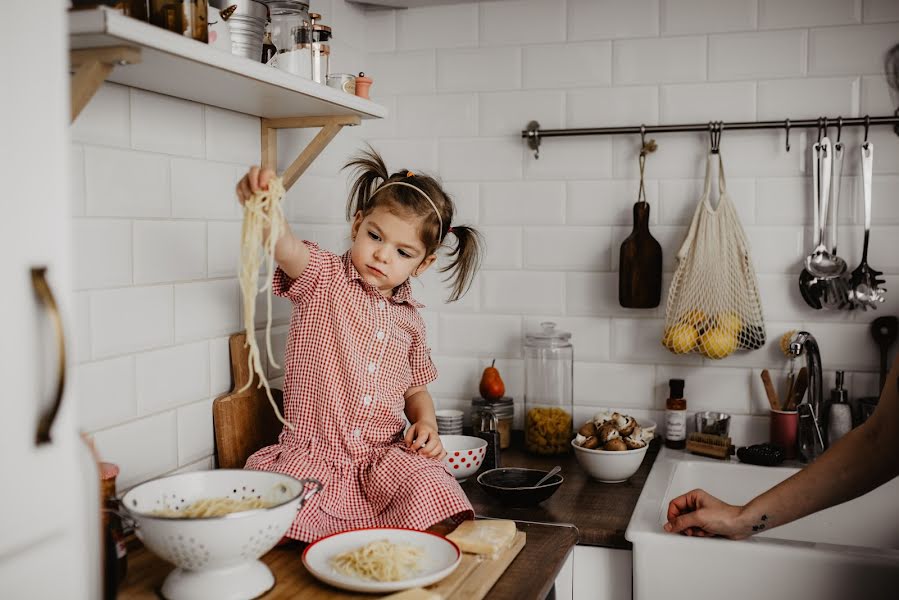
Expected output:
(708, 444)
(785, 342)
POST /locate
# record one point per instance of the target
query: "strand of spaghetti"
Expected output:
(262, 211)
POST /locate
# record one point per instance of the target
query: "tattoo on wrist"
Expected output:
(761, 525)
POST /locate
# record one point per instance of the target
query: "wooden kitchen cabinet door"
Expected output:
(49, 524)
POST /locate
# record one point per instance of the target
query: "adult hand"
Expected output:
(423, 439)
(698, 513)
(255, 180)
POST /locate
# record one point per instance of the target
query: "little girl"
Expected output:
(357, 358)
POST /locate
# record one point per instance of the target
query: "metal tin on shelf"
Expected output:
(343, 81)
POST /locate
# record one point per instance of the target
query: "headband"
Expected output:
(420, 191)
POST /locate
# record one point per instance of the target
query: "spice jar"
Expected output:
(548, 397)
(115, 553)
(504, 411)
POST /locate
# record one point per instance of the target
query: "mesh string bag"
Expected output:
(713, 304)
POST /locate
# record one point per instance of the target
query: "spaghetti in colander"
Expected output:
(211, 507)
(380, 561)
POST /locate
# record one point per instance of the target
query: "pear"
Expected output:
(492, 387)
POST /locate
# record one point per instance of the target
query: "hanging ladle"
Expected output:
(865, 281)
(821, 263)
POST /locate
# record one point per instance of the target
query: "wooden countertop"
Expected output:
(529, 577)
(600, 511)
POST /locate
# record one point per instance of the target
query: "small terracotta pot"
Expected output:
(362, 85)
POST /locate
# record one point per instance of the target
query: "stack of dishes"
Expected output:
(449, 421)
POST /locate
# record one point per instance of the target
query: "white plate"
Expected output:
(439, 559)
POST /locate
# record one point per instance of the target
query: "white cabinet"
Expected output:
(49, 545)
(600, 574)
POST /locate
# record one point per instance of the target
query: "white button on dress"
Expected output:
(366, 400)
(357, 433)
(382, 305)
(372, 367)
(380, 335)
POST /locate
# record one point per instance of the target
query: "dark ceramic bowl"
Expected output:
(516, 487)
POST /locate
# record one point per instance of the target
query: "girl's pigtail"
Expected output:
(367, 167)
(465, 260)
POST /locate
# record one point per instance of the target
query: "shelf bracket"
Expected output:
(91, 68)
(330, 127)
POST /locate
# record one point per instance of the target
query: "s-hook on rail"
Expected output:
(533, 134)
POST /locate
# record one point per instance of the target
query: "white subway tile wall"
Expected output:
(156, 224)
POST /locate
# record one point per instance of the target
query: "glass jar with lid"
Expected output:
(504, 411)
(287, 16)
(548, 395)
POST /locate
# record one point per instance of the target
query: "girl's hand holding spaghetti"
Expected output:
(423, 439)
(256, 179)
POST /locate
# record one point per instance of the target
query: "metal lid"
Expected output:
(504, 407)
(548, 335)
(298, 5)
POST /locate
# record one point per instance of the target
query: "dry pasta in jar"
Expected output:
(547, 430)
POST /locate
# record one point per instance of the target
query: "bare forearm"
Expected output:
(291, 253)
(420, 408)
(867, 457)
(839, 475)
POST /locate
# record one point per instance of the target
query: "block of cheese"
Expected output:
(487, 537)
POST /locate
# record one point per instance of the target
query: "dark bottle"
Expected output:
(488, 431)
(268, 48)
(115, 553)
(676, 416)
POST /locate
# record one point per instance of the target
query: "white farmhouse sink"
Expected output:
(848, 551)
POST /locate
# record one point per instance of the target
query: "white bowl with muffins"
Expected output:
(611, 446)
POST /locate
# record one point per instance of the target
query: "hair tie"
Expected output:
(410, 174)
(450, 230)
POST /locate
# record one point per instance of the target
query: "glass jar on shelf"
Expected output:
(286, 16)
(321, 50)
(549, 395)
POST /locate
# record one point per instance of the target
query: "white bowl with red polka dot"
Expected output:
(464, 454)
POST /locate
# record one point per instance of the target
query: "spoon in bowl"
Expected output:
(552, 472)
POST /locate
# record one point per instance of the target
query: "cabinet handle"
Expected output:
(42, 289)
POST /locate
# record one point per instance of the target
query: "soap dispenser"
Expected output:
(839, 420)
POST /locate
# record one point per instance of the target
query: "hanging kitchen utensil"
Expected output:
(812, 288)
(713, 303)
(821, 263)
(865, 282)
(836, 289)
(640, 264)
(884, 330)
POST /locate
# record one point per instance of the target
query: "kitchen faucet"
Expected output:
(811, 438)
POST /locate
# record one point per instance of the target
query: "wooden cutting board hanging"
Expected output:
(243, 421)
(640, 265)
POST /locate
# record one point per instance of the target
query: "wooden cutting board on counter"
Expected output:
(243, 421)
(471, 580)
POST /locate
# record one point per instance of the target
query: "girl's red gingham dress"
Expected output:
(351, 355)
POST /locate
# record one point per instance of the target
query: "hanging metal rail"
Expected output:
(533, 134)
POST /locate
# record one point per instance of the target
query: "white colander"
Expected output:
(217, 557)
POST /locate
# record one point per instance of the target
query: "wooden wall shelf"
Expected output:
(106, 45)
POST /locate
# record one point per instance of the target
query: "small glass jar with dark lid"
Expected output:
(504, 411)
